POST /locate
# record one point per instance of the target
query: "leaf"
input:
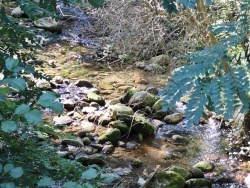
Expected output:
(7, 167)
(33, 116)
(97, 3)
(57, 107)
(11, 63)
(87, 185)
(22, 109)
(170, 6)
(89, 174)
(46, 99)
(17, 83)
(8, 126)
(16, 172)
(8, 185)
(71, 184)
(1, 167)
(46, 181)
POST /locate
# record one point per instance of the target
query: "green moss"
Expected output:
(169, 179)
(182, 171)
(113, 136)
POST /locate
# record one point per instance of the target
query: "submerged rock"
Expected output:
(200, 182)
(173, 118)
(113, 136)
(205, 166)
(168, 179)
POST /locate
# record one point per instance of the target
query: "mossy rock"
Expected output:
(205, 166)
(127, 96)
(182, 171)
(168, 179)
(48, 24)
(200, 182)
(142, 99)
(113, 136)
(197, 173)
(117, 109)
(93, 97)
(124, 128)
(173, 118)
(158, 105)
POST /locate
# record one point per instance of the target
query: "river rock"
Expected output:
(140, 64)
(76, 143)
(49, 24)
(197, 173)
(118, 109)
(83, 83)
(104, 119)
(114, 101)
(200, 182)
(58, 79)
(69, 104)
(158, 105)
(169, 179)
(88, 126)
(142, 99)
(157, 123)
(62, 120)
(159, 115)
(110, 178)
(86, 141)
(114, 135)
(160, 59)
(94, 104)
(205, 166)
(154, 67)
(88, 109)
(127, 96)
(93, 97)
(182, 171)
(43, 84)
(124, 128)
(17, 13)
(122, 171)
(90, 159)
(173, 118)
(137, 163)
(131, 145)
(109, 148)
(180, 139)
(152, 90)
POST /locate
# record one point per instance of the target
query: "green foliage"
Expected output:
(214, 79)
(97, 3)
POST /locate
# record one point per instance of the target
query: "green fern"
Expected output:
(213, 79)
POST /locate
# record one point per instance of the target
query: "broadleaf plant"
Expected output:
(215, 79)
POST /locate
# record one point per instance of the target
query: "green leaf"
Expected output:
(1, 167)
(8, 126)
(17, 83)
(57, 107)
(46, 181)
(8, 167)
(11, 63)
(16, 172)
(8, 185)
(87, 185)
(89, 174)
(71, 184)
(22, 109)
(33, 116)
(46, 99)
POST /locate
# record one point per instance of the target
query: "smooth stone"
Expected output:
(157, 123)
(205, 166)
(104, 120)
(72, 142)
(160, 59)
(86, 141)
(88, 109)
(121, 144)
(97, 146)
(48, 24)
(157, 105)
(114, 101)
(131, 145)
(124, 128)
(159, 115)
(83, 83)
(122, 171)
(17, 13)
(142, 99)
(180, 139)
(62, 120)
(200, 182)
(152, 90)
(93, 97)
(43, 84)
(83, 132)
(108, 149)
(94, 104)
(90, 159)
(91, 127)
(117, 109)
(197, 173)
(58, 79)
(173, 118)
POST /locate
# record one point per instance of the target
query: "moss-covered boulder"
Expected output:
(113, 136)
(182, 171)
(49, 24)
(168, 179)
(127, 96)
(197, 173)
(173, 118)
(142, 99)
(205, 166)
(158, 105)
(117, 109)
(200, 182)
(124, 128)
(93, 97)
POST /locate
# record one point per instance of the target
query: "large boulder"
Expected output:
(200, 182)
(173, 118)
(113, 136)
(49, 24)
(117, 109)
(182, 171)
(142, 99)
(169, 179)
(93, 97)
(205, 166)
